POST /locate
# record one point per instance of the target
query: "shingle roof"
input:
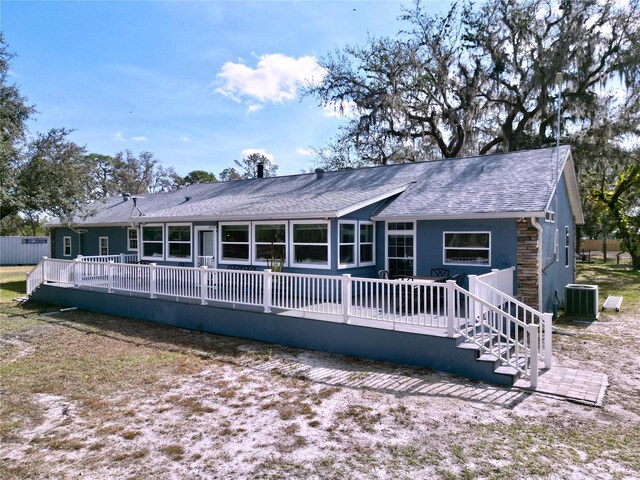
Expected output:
(515, 182)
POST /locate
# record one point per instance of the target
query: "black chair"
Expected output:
(459, 278)
(440, 272)
(383, 274)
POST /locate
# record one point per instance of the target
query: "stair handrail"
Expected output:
(36, 276)
(534, 317)
(528, 347)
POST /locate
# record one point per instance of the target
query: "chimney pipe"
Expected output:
(260, 170)
(319, 173)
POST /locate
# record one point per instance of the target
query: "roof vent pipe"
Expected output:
(260, 170)
(125, 196)
(319, 173)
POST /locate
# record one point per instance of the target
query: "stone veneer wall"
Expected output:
(527, 261)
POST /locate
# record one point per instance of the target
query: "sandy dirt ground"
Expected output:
(190, 405)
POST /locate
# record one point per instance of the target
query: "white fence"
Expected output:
(121, 258)
(496, 323)
(23, 250)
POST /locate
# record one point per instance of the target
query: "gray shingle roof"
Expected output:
(515, 182)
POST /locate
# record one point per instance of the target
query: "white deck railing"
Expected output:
(121, 258)
(493, 321)
(496, 288)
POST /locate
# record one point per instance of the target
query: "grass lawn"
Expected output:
(97, 396)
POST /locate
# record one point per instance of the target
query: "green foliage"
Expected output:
(199, 176)
(229, 174)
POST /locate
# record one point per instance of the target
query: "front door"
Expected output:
(400, 252)
(206, 238)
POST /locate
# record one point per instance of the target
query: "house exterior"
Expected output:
(469, 215)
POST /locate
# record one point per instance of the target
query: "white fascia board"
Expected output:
(371, 201)
(465, 216)
(571, 181)
(233, 218)
(87, 225)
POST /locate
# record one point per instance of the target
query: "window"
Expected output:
(179, 242)
(66, 246)
(400, 240)
(132, 239)
(311, 244)
(566, 246)
(347, 244)
(153, 242)
(234, 241)
(367, 241)
(467, 248)
(103, 245)
(270, 243)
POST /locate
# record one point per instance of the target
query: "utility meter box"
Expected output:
(581, 301)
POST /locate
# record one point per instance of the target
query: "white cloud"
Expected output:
(139, 139)
(304, 151)
(276, 78)
(118, 137)
(254, 107)
(345, 110)
(248, 151)
(185, 139)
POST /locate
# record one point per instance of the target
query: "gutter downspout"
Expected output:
(534, 222)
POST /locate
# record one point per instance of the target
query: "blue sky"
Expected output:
(199, 84)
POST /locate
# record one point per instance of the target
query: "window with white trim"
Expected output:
(66, 246)
(153, 242)
(367, 253)
(132, 239)
(347, 243)
(270, 240)
(103, 246)
(179, 242)
(467, 248)
(234, 243)
(310, 243)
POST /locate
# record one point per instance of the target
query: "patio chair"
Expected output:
(440, 272)
(459, 278)
(383, 274)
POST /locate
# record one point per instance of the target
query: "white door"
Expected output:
(206, 246)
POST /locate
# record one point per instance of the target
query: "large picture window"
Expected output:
(132, 239)
(153, 242)
(234, 242)
(66, 246)
(270, 243)
(347, 244)
(467, 248)
(179, 242)
(367, 242)
(311, 244)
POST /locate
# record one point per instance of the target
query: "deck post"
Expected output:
(110, 276)
(548, 350)
(76, 275)
(122, 258)
(472, 304)
(533, 356)
(266, 291)
(204, 284)
(451, 307)
(152, 280)
(346, 296)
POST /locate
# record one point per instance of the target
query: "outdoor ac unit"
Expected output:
(582, 301)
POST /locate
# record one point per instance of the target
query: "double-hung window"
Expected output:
(467, 248)
(132, 239)
(179, 242)
(66, 246)
(153, 242)
(270, 241)
(347, 243)
(367, 244)
(310, 244)
(103, 246)
(234, 243)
